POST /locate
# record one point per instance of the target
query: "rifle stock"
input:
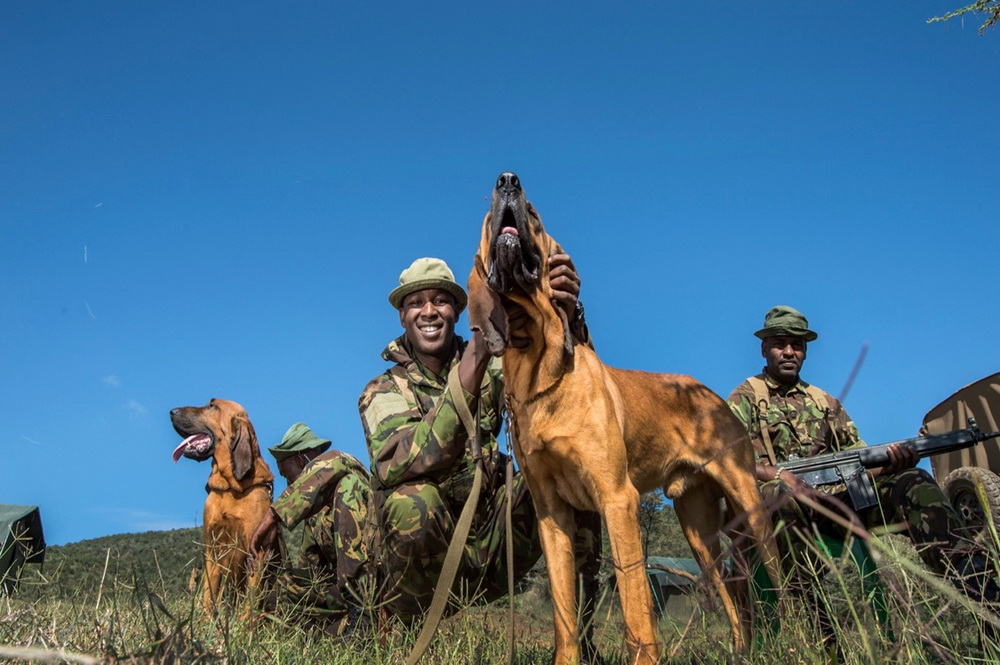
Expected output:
(850, 466)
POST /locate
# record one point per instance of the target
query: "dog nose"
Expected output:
(508, 183)
(174, 412)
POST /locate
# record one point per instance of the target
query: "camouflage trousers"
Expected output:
(909, 500)
(417, 522)
(331, 572)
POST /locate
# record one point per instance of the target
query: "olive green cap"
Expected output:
(298, 438)
(427, 273)
(784, 321)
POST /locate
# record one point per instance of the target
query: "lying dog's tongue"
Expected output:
(508, 229)
(197, 442)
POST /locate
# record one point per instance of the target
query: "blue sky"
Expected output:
(214, 199)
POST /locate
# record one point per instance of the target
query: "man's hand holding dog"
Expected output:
(564, 282)
(264, 541)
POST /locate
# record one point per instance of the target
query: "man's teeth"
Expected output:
(430, 329)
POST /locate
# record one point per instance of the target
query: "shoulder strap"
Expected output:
(818, 396)
(761, 396)
(759, 388)
(823, 402)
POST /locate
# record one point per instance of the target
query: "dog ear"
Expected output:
(486, 312)
(242, 446)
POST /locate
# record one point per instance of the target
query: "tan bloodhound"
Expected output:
(592, 437)
(239, 491)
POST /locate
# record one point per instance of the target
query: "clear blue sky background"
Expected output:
(214, 199)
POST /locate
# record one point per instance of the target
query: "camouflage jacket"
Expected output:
(413, 430)
(312, 493)
(795, 421)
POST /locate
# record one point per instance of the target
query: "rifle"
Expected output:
(850, 466)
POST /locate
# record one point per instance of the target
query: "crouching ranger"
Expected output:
(328, 493)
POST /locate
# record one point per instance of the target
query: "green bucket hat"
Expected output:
(427, 273)
(786, 321)
(298, 438)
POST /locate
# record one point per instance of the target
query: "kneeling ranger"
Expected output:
(327, 494)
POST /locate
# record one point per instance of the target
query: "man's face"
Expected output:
(428, 317)
(784, 356)
(291, 467)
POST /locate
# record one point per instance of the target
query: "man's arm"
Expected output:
(402, 443)
(265, 537)
(314, 489)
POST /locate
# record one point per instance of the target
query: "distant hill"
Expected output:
(162, 559)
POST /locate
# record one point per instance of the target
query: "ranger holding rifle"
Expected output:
(788, 418)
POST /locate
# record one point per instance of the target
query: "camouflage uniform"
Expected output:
(331, 496)
(422, 476)
(799, 425)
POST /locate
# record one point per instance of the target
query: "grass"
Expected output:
(137, 618)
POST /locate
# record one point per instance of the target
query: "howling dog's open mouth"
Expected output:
(513, 257)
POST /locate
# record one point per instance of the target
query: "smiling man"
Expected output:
(422, 469)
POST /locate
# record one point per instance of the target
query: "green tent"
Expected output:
(21, 541)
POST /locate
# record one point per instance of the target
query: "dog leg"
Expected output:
(213, 583)
(621, 510)
(700, 516)
(225, 569)
(556, 527)
(745, 503)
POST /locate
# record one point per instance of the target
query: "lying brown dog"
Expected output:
(239, 490)
(591, 437)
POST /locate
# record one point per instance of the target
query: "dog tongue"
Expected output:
(190, 441)
(508, 229)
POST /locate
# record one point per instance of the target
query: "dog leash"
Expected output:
(453, 558)
(509, 529)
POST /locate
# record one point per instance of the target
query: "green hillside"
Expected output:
(163, 560)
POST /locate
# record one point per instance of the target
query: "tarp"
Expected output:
(981, 400)
(673, 572)
(672, 580)
(21, 541)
